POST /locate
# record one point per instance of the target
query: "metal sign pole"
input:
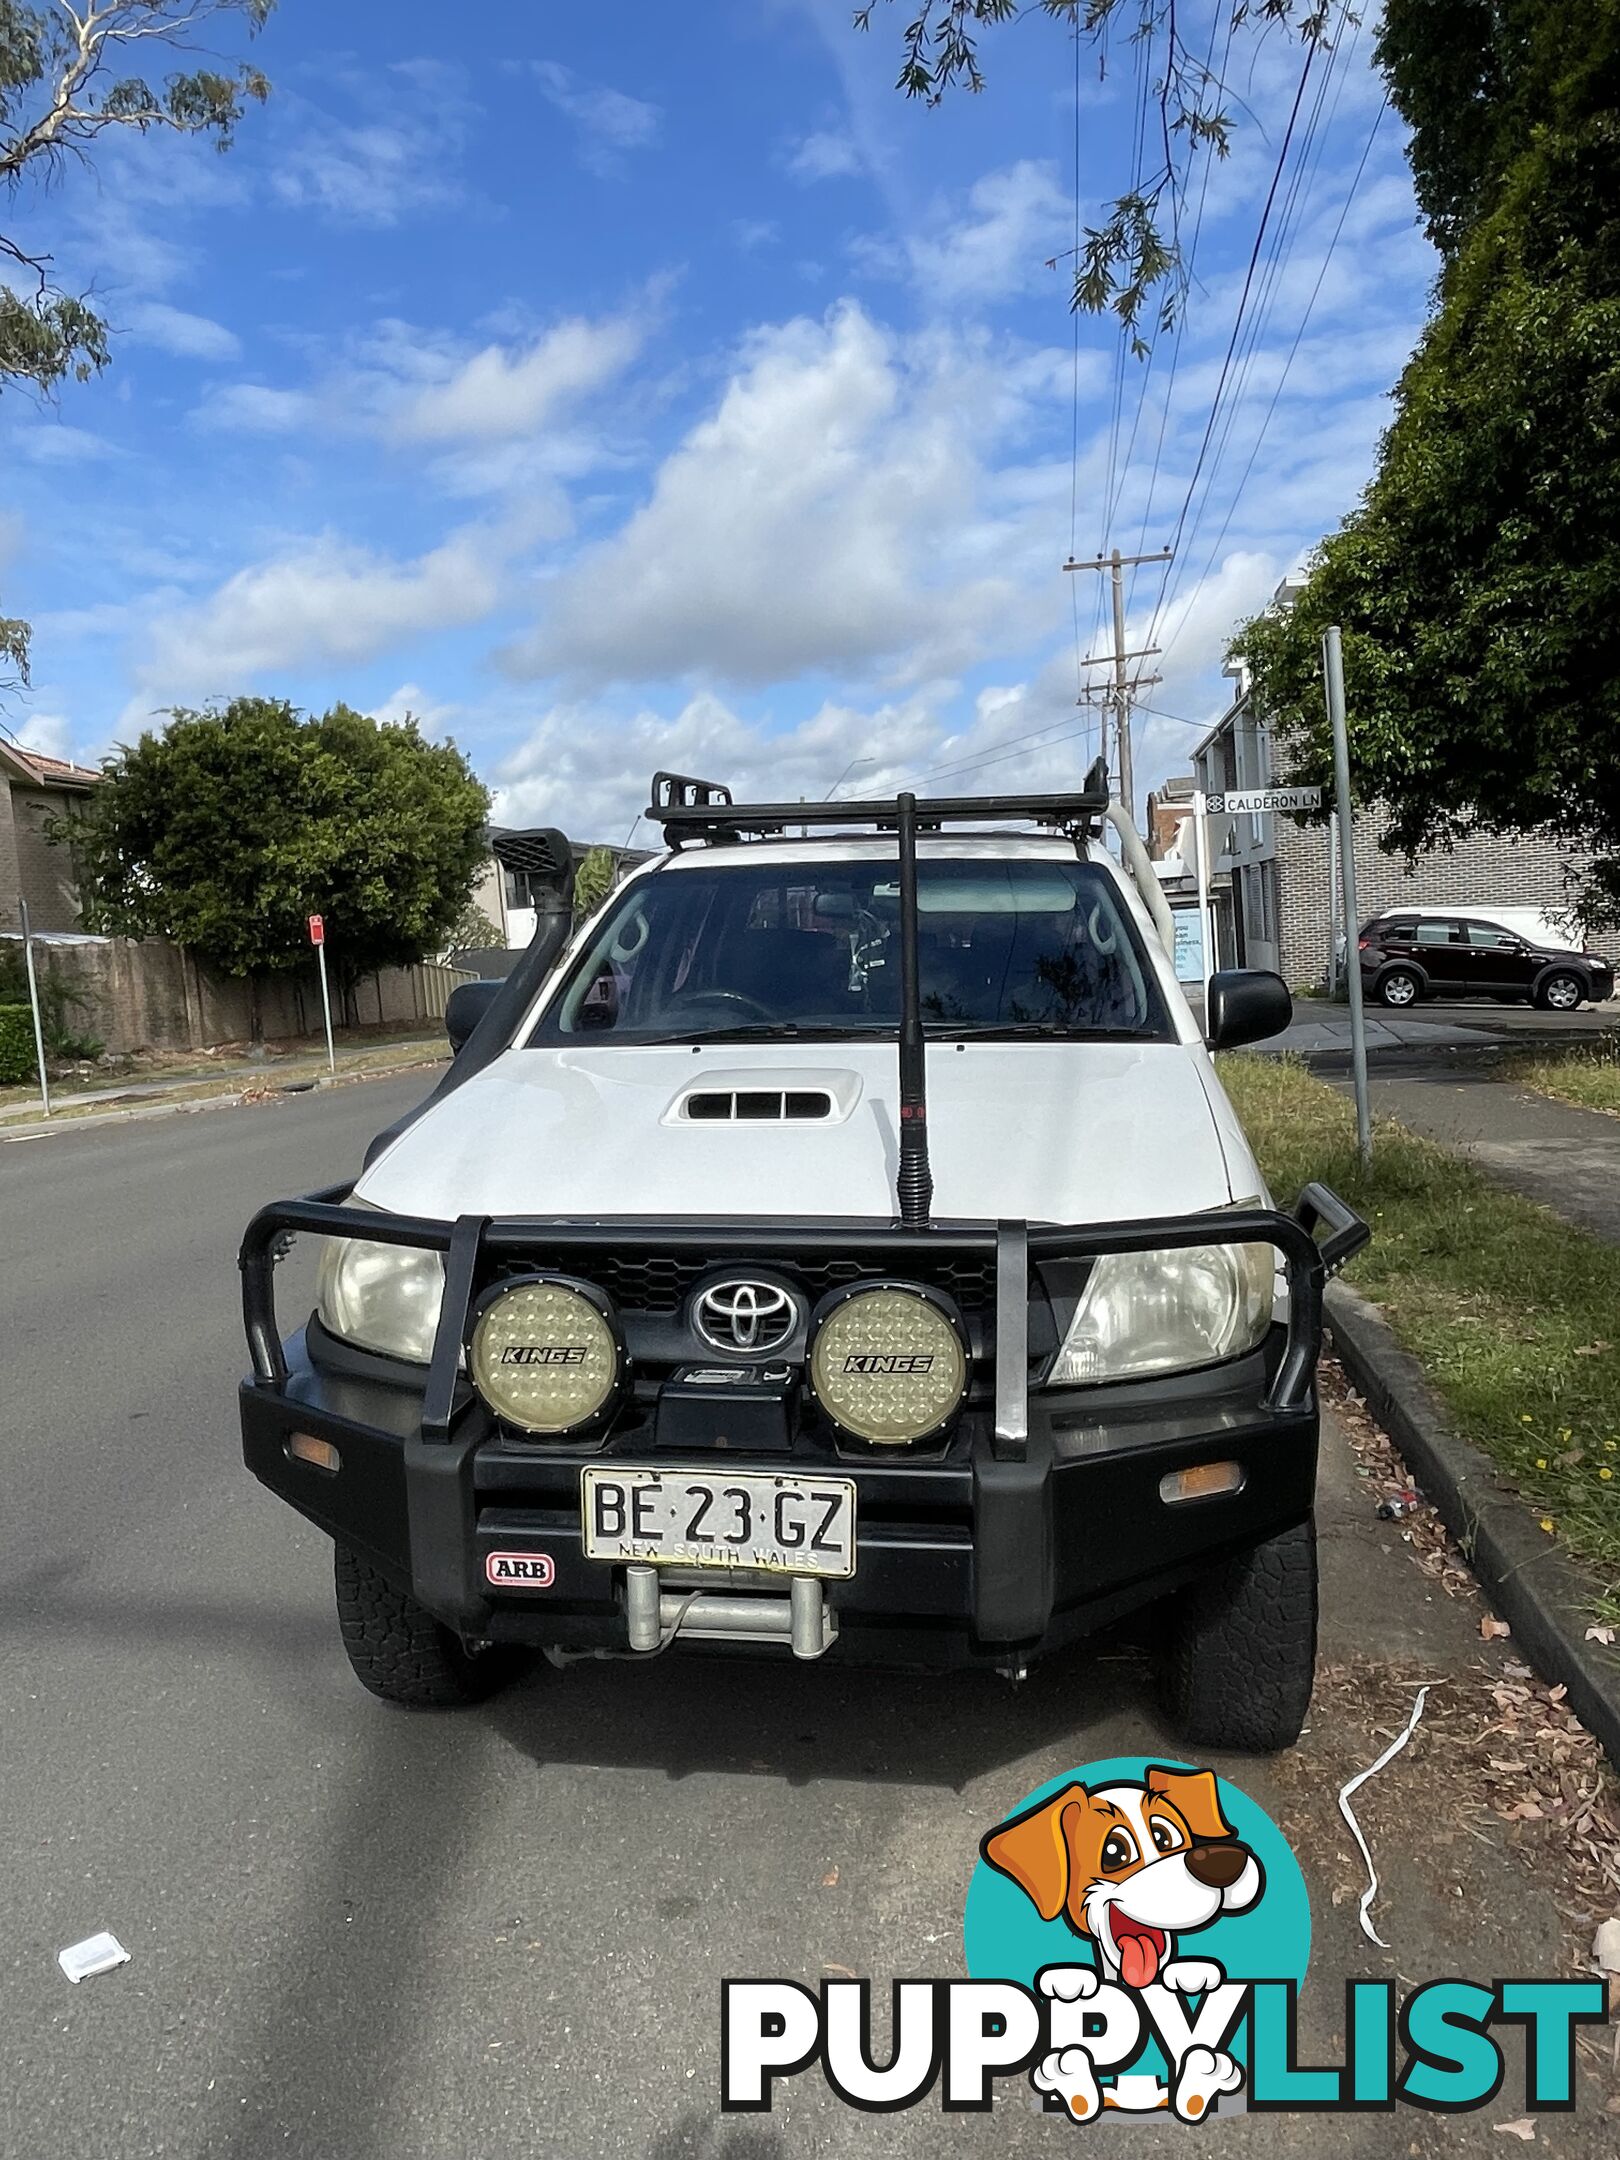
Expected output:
(33, 999)
(326, 1007)
(1206, 954)
(317, 937)
(1333, 673)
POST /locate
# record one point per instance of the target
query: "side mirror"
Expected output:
(1245, 1005)
(466, 1006)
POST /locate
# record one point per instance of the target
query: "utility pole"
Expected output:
(1333, 673)
(1123, 691)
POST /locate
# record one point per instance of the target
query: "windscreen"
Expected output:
(736, 949)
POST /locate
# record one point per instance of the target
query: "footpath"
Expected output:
(216, 1083)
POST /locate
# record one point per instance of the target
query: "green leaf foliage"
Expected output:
(593, 881)
(1135, 253)
(16, 1045)
(225, 832)
(61, 88)
(1478, 582)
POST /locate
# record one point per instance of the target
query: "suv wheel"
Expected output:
(1399, 987)
(1561, 991)
(1239, 1653)
(400, 1652)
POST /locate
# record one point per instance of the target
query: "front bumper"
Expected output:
(1043, 1517)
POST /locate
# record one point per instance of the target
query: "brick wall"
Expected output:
(1487, 870)
(10, 880)
(44, 873)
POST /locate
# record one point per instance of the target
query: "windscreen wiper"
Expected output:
(760, 1031)
(1029, 1030)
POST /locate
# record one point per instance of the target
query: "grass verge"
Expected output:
(1513, 1314)
(1587, 1074)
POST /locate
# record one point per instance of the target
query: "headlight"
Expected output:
(1159, 1312)
(381, 1297)
(545, 1355)
(888, 1364)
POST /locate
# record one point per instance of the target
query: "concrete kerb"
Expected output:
(43, 1128)
(1543, 1597)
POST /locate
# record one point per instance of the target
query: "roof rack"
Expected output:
(705, 810)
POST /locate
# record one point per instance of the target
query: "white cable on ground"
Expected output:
(1355, 1784)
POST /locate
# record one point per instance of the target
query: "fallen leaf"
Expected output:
(1524, 2128)
(838, 1972)
(1600, 1634)
(1557, 1694)
(1606, 1947)
(1493, 1629)
(829, 1881)
(1593, 1349)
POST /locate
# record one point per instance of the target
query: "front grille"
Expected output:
(660, 1283)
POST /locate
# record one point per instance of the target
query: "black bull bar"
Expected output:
(1313, 1241)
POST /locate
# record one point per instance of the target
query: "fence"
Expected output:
(146, 995)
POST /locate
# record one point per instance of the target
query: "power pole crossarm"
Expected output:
(1121, 696)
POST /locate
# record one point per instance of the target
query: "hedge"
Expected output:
(16, 1045)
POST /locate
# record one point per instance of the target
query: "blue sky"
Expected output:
(658, 387)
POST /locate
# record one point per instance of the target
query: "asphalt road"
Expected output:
(362, 1933)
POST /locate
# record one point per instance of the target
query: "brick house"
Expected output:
(33, 790)
(1275, 900)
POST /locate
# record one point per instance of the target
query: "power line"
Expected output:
(1287, 367)
(1237, 326)
(1301, 182)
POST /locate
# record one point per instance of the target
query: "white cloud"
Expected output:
(188, 337)
(326, 600)
(588, 768)
(401, 156)
(995, 243)
(610, 122)
(752, 233)
(366, 175)
(832, 513)
(505, 391)
(825, 155)
(411, 702)
(51, 734)
(255, 409)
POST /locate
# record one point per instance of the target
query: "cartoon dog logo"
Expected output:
(1132, 1868)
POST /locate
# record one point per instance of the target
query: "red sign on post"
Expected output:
(317, 930)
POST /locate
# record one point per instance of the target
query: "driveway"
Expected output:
(368, 1935)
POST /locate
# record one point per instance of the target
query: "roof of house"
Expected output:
(34, 769)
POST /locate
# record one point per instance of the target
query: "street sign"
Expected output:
(317, 929)
(1238, 802)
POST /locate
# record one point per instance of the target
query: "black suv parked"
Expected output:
(1409, 954)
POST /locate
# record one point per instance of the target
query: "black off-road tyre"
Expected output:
(1239, 1650)
(400, 1652)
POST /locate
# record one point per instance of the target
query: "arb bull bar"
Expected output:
(1043, 1521)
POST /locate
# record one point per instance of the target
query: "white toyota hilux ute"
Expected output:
(840, 1246)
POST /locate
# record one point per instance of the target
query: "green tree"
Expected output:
(227, 830)
(471, 931)
(593, 881)
(68, 74)
(1136, 252)
(1478, 581)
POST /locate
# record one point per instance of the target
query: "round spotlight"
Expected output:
(545, 1354)
(888, 1362)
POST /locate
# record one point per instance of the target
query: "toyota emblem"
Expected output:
(738, 1315)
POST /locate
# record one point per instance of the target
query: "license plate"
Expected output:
(685, 1518)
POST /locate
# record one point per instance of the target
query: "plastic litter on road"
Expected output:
(96, 1954)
